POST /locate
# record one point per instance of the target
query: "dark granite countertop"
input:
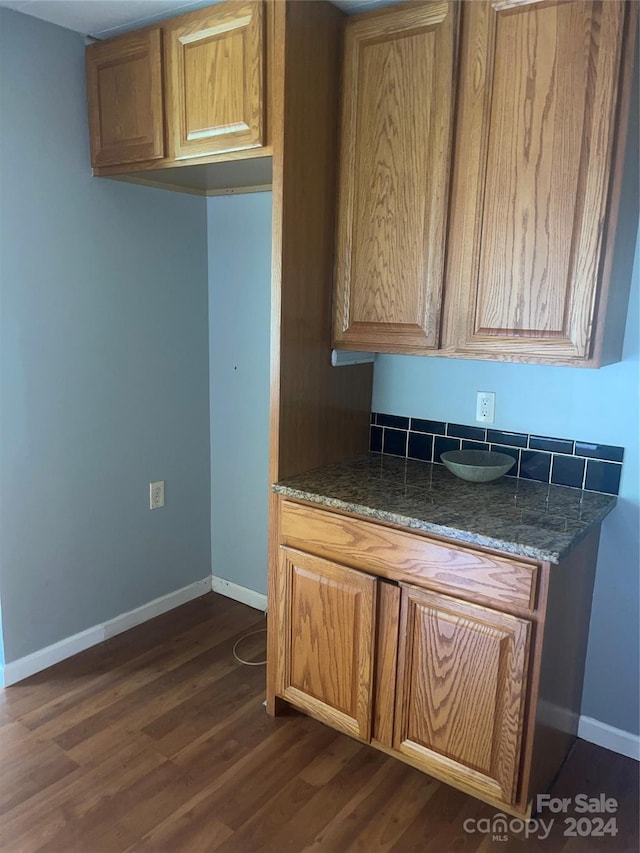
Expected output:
(513, 515)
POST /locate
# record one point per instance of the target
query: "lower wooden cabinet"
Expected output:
(465, 663)
(329, 620)
(460, 690)
(459, 678)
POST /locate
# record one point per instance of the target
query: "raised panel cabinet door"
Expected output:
(398, 100)
(215, 79)
(535, 139)
(461, 691)
(328, 647)
(124, 89)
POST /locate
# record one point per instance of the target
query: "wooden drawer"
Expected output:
(402, 556)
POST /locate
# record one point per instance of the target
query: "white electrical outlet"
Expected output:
(485, 407)
(156, 494)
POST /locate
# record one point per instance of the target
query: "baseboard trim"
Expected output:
(239, 593)
(17, 670)
(602, 734)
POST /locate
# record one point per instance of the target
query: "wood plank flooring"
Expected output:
(157, 740)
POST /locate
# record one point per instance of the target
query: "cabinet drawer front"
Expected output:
(400, 556)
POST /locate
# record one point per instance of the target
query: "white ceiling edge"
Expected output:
(105, 18)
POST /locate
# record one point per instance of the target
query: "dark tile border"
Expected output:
(562, 461)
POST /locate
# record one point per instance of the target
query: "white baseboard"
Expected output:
(239, 593)
(609, 737)
(590, 730)
(16, 670)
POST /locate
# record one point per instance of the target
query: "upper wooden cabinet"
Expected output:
(539, 89)
(124, 83)
(215, 79)
(397, 116)
(192, 88)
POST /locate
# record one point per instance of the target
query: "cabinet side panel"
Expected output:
(564, 649)
(322, 412)
(624, 206)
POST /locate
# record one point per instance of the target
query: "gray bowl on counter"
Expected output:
(477, 466)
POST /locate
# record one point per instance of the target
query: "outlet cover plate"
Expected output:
(156, 495)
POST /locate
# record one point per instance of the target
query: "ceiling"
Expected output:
(104, 18)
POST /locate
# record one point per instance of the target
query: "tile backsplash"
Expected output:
(562, 461)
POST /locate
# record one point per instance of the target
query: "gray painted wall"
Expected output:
(239, 231)
(103, 363)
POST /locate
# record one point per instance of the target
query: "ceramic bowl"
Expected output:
(477, 466)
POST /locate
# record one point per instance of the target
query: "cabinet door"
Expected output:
(124, 88)
(397, 117)
(328, 641)
(215, 60)
(534, 143)
(460, 692)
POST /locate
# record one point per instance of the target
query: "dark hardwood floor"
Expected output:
(157, 740)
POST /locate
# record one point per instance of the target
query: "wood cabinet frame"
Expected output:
(536, 643)
(528, 271)
(208, 173)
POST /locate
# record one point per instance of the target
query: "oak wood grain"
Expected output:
(461, 690)
(124, 92)
(220, 169)
(215, 79)
(397, 118)
(327, 631)
(318, 414)
(386, 662)
(399, 555)
(538, 98)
